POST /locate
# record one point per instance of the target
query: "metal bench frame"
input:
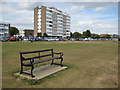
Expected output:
(32, 61)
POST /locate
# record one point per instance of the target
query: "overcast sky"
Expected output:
(99, 17)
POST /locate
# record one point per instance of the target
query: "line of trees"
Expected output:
(88, 34)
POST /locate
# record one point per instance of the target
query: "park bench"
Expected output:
(32, 60)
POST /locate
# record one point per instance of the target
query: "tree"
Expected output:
(39, 35)
(87, 33)
(13, 31)
(95, 36)
(45, 35)
(84, 34)
(76, 35)
(106, 36)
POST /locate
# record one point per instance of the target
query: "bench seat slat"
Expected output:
(36, 51)
(45, 50)
(31, 58)
(38, 57)
(46, 55)
(44, 60)
(28, 52)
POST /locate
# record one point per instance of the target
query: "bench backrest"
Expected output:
(38, 55)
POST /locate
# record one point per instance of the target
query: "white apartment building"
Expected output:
(21, 33)
(51, 21)
(4, 29)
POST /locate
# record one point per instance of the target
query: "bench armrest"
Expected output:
(31, 60)
(26, 59)
(61, 54)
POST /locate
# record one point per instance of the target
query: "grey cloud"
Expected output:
(28, 5)
(21, 5)
(92, 5)
(60, 1)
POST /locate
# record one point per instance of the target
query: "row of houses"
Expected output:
(5, 27)
(4, 31)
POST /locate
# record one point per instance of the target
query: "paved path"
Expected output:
(42, 71)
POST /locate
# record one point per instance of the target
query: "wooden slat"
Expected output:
(46, 55)
(45, 50)
(37, 57)
(36, 51)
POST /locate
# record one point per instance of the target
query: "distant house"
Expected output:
(111, 35)
(105, 34)
(21, 33)
(28, 32)
(116, 36)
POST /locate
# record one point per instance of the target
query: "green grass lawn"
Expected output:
(90, 64)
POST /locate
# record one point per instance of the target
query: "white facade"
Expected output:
(39, 20)
(21, 33)
(57, 22)
(4, 29)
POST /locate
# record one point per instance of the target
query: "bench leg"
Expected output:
(52, 62)
(32, 71)
(21, 69)
(61, 62)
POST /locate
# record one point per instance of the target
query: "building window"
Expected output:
(50, 25)
(50, 21)
(50, 11)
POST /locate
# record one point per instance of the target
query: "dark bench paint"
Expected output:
(32, 59)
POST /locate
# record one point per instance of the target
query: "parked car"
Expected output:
(72, 39)
(76, 39)
(116, 39)
(86, 39)
(12, 39)
(56, 39)
(3, 39)
(37, 39)
(91, 39)
(61, 39)
(32, 39)
(25, 39)
(81, 39)
(48, 39)
(103, 39)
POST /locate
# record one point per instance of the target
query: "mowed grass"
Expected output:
(90, 64)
